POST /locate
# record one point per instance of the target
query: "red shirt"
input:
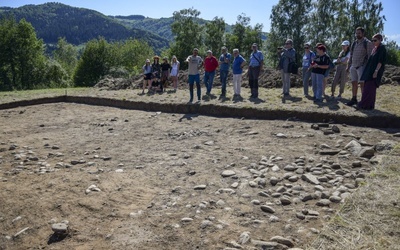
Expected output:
(210, 64)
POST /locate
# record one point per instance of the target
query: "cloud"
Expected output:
(395, 37)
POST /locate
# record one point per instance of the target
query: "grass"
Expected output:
(370, 218)
(388, 101)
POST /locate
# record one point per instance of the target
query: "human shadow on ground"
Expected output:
(256, 100)
(291, 98)
(188, 117)
(237, 99)
(208, 97)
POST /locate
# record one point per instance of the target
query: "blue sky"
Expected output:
(258, 10)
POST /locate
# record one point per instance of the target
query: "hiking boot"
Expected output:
(352, 102)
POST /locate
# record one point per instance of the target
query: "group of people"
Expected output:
(364, 59)
(156, 75)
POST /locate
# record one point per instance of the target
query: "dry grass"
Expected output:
(370, 218)
(388, 101)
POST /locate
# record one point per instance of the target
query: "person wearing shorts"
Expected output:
(359, 53)
(195, 63)
(147, 76)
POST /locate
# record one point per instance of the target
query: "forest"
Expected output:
(56, 45)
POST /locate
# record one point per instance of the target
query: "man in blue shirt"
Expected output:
(255, 67)
(224, 63)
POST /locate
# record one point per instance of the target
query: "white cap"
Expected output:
(209, 51)
(347, 43)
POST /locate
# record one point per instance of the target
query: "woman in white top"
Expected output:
(341, 73)
(174, 72)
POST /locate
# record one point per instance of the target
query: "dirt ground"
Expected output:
(172, 181)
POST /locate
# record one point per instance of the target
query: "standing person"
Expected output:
(195, 63)
(319, 66)
(237, 70)
(210, 65)
(308, 57)
(175, 72)
(165, 66)
(156, 66)
(224, 64)
(341, 73)
(147, 76)
(359, 54)
(373, 72)
(288, 55)
(256, 64)
(327, 71)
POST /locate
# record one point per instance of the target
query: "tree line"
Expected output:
(24, 64)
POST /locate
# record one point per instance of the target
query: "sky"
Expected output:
(259, 11)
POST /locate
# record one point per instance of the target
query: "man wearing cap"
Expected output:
(224, 64)
(359, 54)
(195, 62)
(210, 65)
(255, 67)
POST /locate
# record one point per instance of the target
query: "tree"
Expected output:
(66, 55)
(244, 35)
(288, 20)
(214, 34)
(22, 59)
(186, 28)
(94, 63)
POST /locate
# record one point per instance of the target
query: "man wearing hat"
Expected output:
(224, 64)
(195, 62)
(210, 65)
(255, 67)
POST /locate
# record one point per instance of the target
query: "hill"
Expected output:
(77, 25)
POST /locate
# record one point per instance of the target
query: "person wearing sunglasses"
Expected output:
(372, 74)
(308, 57)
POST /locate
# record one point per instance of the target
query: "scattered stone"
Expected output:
(200, 187)
(255, 202)
(106, 158)
(385, 145)
(335, 129)
(268, 245)
(356, 164)
(20, 232)
(273, 180)
(329, 152)
(354, 147)
(60, 228)
(323, 203)
(186, 219)
(235, 185)
(310, 178)
(283, 241)
(267, 209)
(92, 188)
(315, 126)
(209, 143)
(244, 238)
(281, 135)
(327, 131)
(323, 125)
(120, 170)
(285, 201)
(228, 173)
(335, 199)
(205, 224)
(367, 152)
